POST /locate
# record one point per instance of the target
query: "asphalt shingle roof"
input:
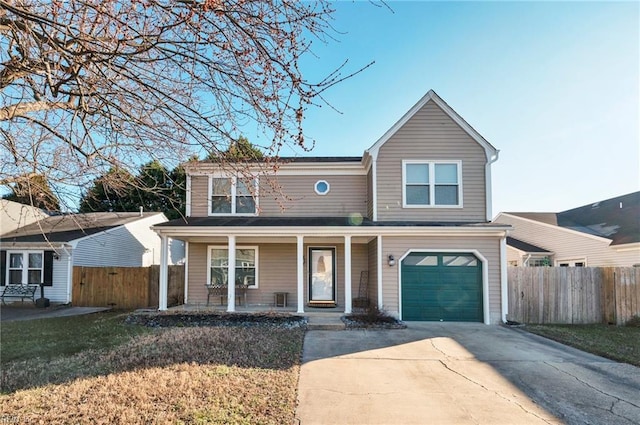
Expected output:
(68, 227)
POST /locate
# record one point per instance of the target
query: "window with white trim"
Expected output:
(232, 195)
(26, 267)
(246, 266)
(431, 184)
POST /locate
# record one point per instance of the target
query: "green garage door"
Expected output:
(442, 287)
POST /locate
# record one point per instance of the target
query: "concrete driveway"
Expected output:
(459, 373)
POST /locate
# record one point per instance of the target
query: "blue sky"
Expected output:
(554, 86)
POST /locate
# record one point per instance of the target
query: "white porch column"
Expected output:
(300, 287)
(379, 266)
(164, 272)
(186, 272)
(347, 275)
(231, 281)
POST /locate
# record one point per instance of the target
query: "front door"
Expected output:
(322, 277)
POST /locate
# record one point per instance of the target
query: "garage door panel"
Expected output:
(446, 289)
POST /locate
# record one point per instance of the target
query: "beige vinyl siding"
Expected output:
(567, 245)
(295, 196)
(276, 272)
(373, 271)
(197, 261)
(199, 196)
(431, 135)
(398, 246)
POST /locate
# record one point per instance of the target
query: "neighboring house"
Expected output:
(605, 233)
(46, 251)
(413, 212)
(14, 215)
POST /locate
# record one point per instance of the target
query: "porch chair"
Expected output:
(362, 300)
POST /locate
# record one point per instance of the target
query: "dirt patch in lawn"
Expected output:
(188, 374)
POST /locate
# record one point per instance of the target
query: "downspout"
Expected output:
(69, 273)
(487, 183)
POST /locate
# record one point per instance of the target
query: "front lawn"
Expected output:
(230, 375)
(620, 343)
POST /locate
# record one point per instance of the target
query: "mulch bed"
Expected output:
(164, 320)
(355, 322)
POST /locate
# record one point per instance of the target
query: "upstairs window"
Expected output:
(232, 195)
(431, 184)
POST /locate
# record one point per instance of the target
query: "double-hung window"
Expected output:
(431, 184)
(232, 195)
(246, 266)
(25, 268)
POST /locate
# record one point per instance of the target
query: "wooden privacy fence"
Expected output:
(573, 295)
(125, 287)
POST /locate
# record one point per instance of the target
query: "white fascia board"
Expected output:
(204, 231)
(490, 150)
(560, 228)
(635, 246)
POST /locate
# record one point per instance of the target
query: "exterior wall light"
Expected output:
(391, 260)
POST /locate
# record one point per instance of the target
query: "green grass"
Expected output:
(620, 343)
(62, 336)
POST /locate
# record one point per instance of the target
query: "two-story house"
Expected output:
(413, 213)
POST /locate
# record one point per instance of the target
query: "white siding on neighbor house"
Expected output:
(57, 293)
(489, 247)
(431, 135)
(514, 255)
(132, 245)
(567, 245)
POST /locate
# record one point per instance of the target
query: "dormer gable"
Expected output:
(431, 165)
(432, 96)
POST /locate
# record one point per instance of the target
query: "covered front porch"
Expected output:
(240, 273)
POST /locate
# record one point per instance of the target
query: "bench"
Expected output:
(221, 291)
(19, 291)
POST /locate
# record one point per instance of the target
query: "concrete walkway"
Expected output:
(11, 313)
(459, 374)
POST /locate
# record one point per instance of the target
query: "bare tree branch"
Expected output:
(88, 85)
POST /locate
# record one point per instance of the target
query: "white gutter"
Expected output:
(292, 231)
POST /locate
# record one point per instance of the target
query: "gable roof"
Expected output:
(524, 246)
(431, 96)
(69, 227)
(616, 219)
